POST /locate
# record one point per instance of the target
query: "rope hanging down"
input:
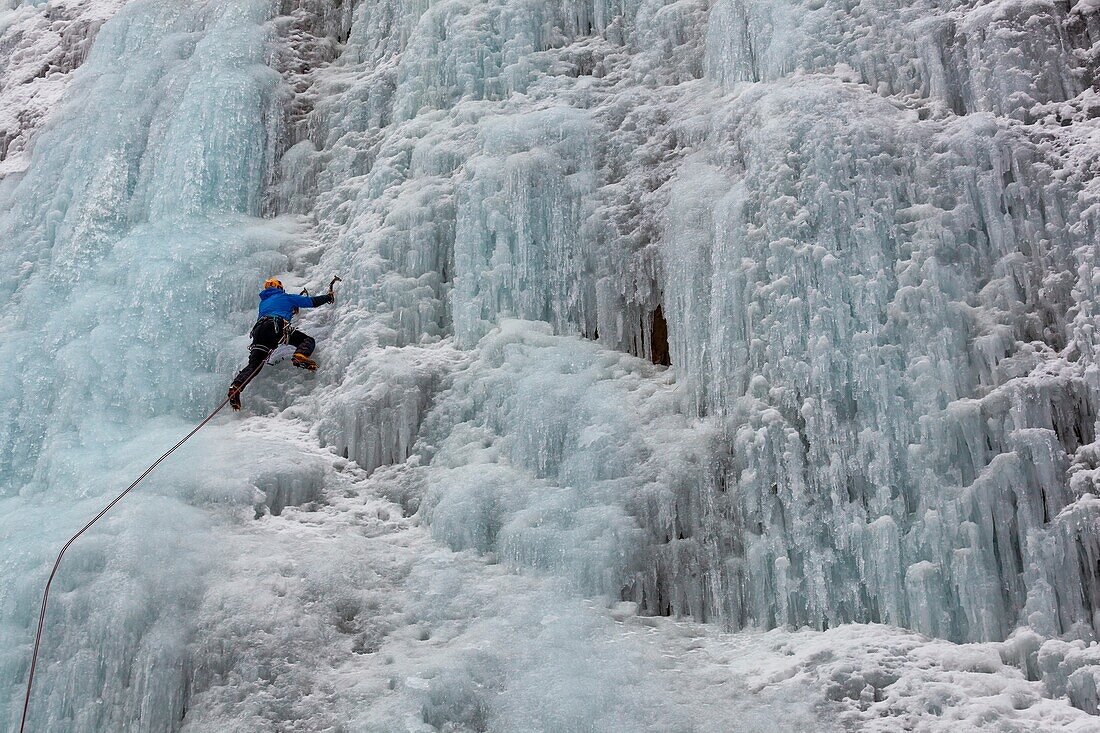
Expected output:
(86, 527)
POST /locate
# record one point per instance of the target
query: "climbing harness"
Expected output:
(283, 348)
(86, 527)
(282, 327)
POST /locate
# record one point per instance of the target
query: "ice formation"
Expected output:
(757, 314)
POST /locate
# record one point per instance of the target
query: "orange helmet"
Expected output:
(273, 282)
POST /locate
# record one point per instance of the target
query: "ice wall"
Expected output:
(119, 240)
(862, 233)
(886, 319)
(870, 232)
(132, 244)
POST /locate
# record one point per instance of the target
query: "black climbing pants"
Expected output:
(266, 335)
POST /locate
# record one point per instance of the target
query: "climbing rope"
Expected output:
(86, 527)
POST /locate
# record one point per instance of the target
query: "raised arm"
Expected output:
(310, 301)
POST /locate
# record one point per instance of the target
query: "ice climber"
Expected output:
(273, 328)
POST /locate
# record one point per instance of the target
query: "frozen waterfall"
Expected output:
(667, 328)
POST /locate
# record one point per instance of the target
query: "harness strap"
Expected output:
(282, 328)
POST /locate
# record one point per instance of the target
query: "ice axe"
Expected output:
(331, 285)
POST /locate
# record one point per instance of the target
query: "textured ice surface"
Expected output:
(870, 269)
(863, 234)
(123, 240)
(42, 44)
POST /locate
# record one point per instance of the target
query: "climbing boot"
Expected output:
(235, 398)
(304, 362)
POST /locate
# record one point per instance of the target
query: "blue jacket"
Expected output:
(276, 302)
